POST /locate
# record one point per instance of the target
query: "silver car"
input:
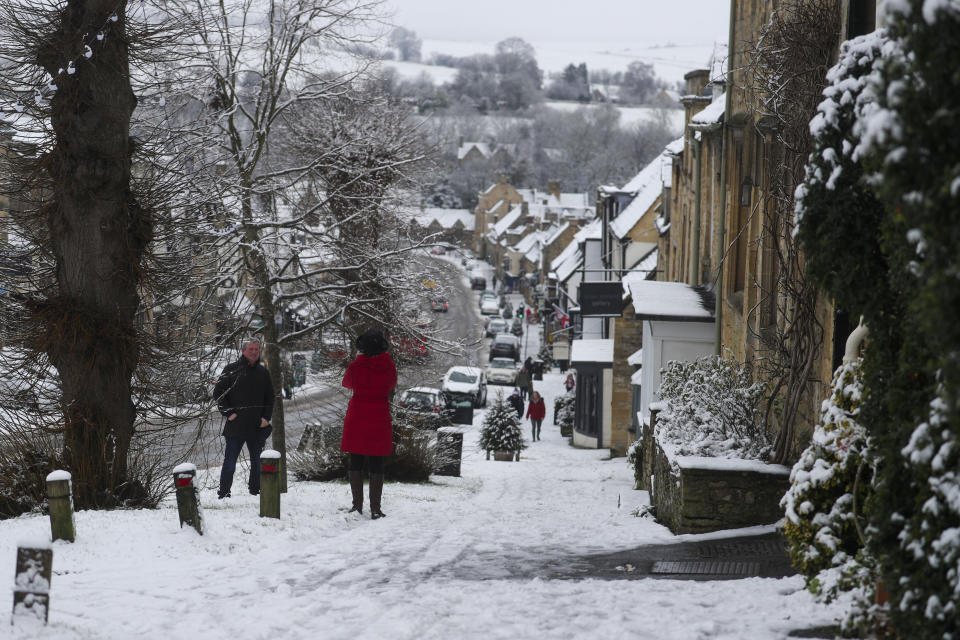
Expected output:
(502, 371)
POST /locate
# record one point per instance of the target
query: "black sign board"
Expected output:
(601, 299)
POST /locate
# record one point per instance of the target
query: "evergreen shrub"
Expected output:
(500, 430)
(565, 413)
(829, 486)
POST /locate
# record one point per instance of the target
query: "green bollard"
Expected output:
(270, 484)
(188, 501)
(60, 499)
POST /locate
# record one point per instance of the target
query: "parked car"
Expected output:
(427, 407)
(502, 371)
(505, 345)
(438, 250)
(489, 307)
(439, 304)
(466, 383)
(495, 326)
(478, 284)
(484, 296)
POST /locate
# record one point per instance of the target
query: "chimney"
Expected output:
(553, 187)
(524, 209)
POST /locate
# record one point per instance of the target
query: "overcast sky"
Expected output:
(644, 22)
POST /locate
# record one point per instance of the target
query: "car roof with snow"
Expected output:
(422, 390)
(473, 371)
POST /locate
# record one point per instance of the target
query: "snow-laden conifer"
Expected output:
(829, 485)
(501, 428)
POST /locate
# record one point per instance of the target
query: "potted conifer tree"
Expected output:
(500, 432)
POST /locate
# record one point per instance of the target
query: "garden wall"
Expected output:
(696, 495)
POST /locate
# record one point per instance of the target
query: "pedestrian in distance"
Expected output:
(535, 413)
(367, 428)
(525, 382)
(244, 395)
(516, 402)
(569, 383)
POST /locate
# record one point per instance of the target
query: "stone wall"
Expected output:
(697, 499)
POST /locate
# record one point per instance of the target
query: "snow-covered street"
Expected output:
(456, 558)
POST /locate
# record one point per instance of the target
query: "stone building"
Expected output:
(446, 226)
(492, 204)
(718, 225)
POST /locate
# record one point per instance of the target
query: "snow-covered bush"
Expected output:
(712, 409)
(501, 428)
(635, 460)
(564, 408)
(877, 214)
(829, 485)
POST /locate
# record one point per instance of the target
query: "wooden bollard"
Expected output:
(188, 499)
(60, 499)
(31, 583)
(270, 484)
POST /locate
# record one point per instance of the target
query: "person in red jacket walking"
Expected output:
(535, 412)
(367, 429)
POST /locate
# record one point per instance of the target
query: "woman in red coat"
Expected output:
(536, 411)
(367, 429)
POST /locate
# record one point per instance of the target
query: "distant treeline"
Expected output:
(510, 78)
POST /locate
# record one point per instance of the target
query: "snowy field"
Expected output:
(455, 558)
(670, 61)
(631, 116)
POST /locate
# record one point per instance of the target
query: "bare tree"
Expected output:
(269, 98)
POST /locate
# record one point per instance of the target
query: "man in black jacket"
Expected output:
(244, 394)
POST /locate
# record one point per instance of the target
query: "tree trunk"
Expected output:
(98, 236)
(256, 266)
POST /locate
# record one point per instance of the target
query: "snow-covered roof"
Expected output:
(591, 230)
(591, 351)
(465, 148)
(566, 269)
(447, 218)
(555, 233)
(675, 147)
(528, 241)
(653, 300)
(507, 221)
(643, 269)
(635, 359)
(712, 114)
(648, 185)
(552, 201)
